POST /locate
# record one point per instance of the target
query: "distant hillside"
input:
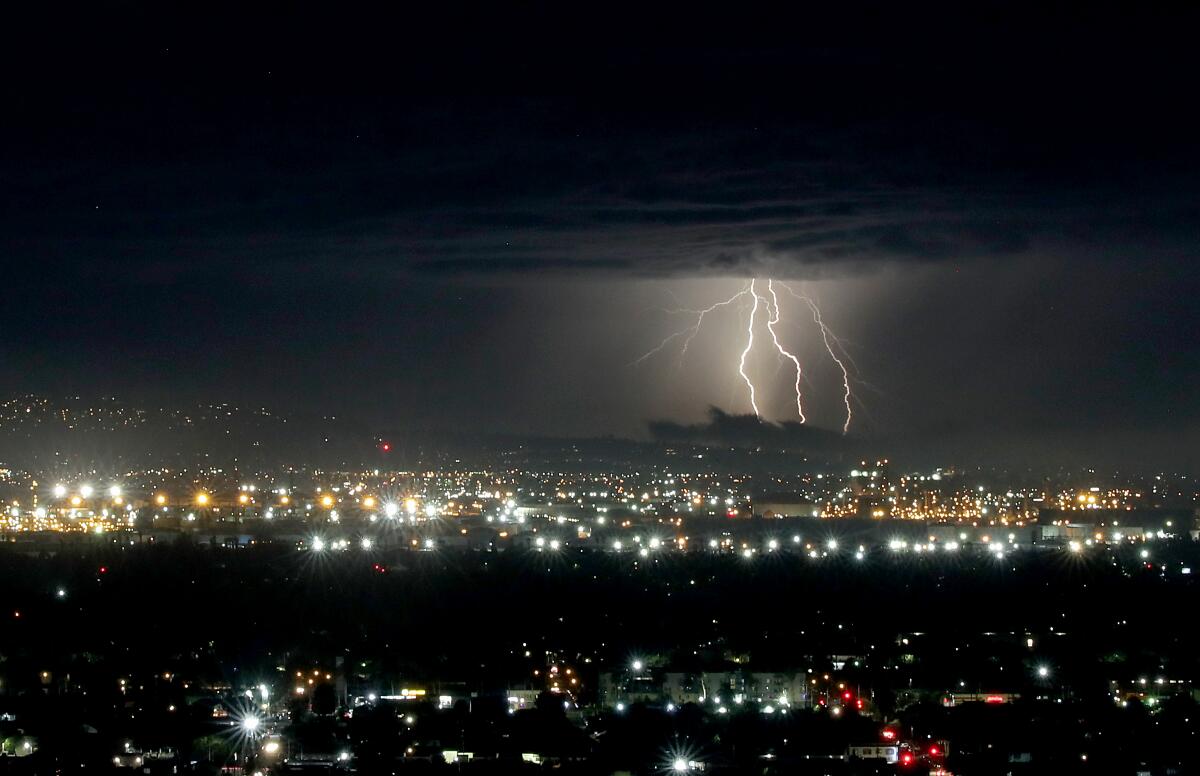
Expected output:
(43, 434)
(37, 431)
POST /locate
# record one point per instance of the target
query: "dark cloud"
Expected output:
(1002, 212)
(725, 429)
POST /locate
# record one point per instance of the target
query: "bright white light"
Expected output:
(250, 723)
(620, 707)
(617, 545)
(391, 509)
(1145, 554)
(1043, 671)
(366, 543)
(114, 491)
(1074, 546)
(60, 490)
(318, 544)
(832, 544)
(772, 545)
(680, 765)
(86, 491)
(638, 665)
(271, 747)
(555, 544)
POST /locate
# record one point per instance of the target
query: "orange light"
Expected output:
(326, 501)
(201, 498)
(160, 499)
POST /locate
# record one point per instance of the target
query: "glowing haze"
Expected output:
(751, 294)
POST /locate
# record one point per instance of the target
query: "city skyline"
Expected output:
(490, 388)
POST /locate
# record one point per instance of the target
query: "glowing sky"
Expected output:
(1007, 247)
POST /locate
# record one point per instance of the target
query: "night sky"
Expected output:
(476, 220)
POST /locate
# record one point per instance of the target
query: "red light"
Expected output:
(889, 734)
(994, 699)
(104, 569)
(846, 695)
(933, 750)
(906, 758)
(858, 703)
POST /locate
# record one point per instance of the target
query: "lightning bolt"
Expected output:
(826, 337)
(773, 312)
(749, 347)
(690, 332)
(833, 346)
